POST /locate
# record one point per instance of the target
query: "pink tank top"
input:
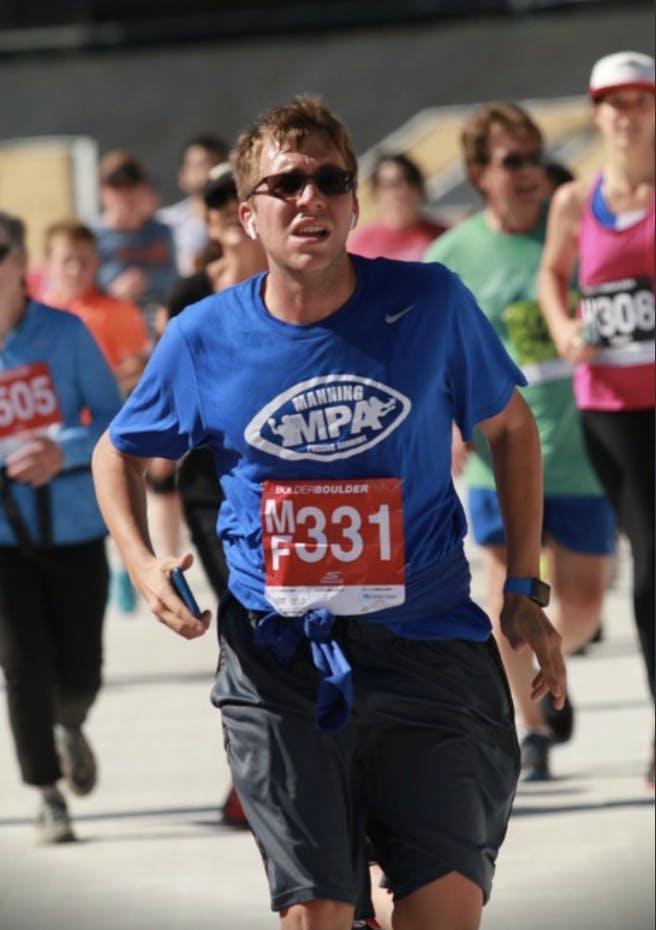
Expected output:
(616, 281)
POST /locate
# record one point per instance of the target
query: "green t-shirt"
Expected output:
(500, 269)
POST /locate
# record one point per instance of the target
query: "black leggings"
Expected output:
(52, 606)
(620, 446)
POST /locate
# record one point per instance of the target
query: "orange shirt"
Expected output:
(115, 324)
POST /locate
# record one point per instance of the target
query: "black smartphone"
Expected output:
(183, 590)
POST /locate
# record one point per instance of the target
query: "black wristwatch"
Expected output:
(534, 588)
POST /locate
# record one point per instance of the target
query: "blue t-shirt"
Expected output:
(369, 391)
(52, 349)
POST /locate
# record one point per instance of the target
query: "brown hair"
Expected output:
(475, 133)
(291, 122)
(73, 230)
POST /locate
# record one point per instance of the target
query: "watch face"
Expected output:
(541, 592)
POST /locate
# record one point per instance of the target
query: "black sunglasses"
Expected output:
(328, 180)
(217, 199)
(514, 161)
(5, 249)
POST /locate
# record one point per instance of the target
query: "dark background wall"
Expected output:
(152, 98)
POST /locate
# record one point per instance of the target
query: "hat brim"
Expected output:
(597, 92)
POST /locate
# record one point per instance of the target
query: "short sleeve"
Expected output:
(480, 373)
(162, 416)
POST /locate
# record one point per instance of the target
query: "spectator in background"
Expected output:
(53, 567)
(496, 252)
(116, 325)
(402, 231)
(137, 253)
(187, 217)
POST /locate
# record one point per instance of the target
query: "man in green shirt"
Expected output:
(497, 253)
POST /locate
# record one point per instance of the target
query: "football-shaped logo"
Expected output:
(327, 418)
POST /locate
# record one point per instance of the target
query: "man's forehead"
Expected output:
(312, 145)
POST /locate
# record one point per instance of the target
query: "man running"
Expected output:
(361, 691)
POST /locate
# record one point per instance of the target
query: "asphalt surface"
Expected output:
(152, 854)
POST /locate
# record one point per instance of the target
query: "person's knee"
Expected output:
(452, 902)
(321, 914)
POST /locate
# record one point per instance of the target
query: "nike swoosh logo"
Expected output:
(393, 317)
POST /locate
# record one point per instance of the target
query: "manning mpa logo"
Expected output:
(327, 418)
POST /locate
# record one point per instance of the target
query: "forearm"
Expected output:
(121, 495)
(553, 299)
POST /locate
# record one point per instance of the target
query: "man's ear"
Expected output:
(475, 175)
(247, 218)
(355, 213)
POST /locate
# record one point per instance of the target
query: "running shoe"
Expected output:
(535, 757)
(53, 823)
(76, 759)
(560, 722)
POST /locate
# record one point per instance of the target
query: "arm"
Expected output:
(515, 448)
(556, 269)
(120, 489)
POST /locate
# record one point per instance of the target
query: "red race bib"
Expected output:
(28, 403)
(334, 544)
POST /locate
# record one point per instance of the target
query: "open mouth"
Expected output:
(311, 231)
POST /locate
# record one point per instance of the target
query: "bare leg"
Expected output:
(578, 582)
(452, 902)
(317, 915)
(381, 898)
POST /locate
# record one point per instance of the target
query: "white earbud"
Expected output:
(354, 219)
(250, 228)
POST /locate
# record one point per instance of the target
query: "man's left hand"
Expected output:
(525, 624)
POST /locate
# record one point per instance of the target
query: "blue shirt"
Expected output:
(258, 391)
(82, 381)
(370, 391)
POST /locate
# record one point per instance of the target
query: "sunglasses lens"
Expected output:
(5, 249)
(329, 181)
(287, 184)
(515, 161)
(333, 181)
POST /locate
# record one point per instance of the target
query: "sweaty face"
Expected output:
(306, 230)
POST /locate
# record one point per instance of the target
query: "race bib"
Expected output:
(28, 404)
(333, 544)
(620, 311)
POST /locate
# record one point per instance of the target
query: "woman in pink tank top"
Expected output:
(606, 229)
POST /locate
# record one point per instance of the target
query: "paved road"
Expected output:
(152, 855)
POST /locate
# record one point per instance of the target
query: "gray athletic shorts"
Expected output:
(426, 767)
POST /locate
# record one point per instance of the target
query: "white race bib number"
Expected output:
(28, 403)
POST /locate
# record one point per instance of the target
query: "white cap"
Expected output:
(623, 69)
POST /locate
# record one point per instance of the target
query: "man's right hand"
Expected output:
(153, 582)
